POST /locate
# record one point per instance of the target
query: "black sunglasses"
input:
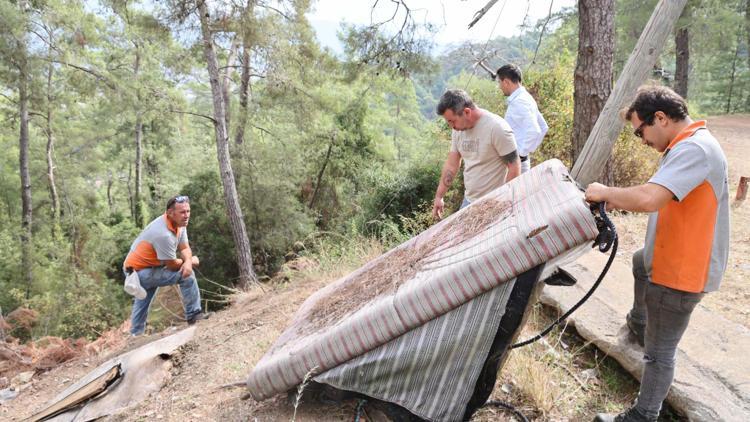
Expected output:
(639, 130)
(178, 200)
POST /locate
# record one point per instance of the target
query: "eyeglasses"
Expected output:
(639, 130)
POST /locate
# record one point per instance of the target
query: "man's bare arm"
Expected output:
(450, 169)
(648, 197)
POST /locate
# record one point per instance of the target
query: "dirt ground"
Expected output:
(227, 346)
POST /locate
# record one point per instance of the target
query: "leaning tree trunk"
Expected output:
(682, 55)
(593, 74)
(27, 248)
(239, 233)
(590, 163)
(54, 197)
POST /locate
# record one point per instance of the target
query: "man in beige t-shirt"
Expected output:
(486, 144)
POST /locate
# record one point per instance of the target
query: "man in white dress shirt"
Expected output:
(522, 114)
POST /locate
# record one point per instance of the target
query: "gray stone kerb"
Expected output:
(712, 378)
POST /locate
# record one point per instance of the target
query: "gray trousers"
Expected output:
(526, 165)
(666, 314)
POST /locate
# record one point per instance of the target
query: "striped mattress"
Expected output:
(445, 289)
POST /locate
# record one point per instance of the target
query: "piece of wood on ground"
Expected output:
(137, 373)
(92, 389)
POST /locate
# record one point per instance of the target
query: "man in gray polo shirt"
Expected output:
(687, 238)
(154, 256)
(484, 141)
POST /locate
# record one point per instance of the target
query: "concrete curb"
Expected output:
(712, 378)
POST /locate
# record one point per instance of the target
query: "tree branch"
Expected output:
(192, 114)
(92, 72)
(481, 12)
(13, 101)
(275, 10)
(541, 34)
(266, 131)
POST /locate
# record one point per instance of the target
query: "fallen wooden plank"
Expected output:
(104, 391)
(95, 387)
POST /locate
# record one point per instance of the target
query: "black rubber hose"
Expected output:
(607, 240)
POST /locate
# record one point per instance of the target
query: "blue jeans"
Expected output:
(155, 277)
(666, 314)
(465, 203)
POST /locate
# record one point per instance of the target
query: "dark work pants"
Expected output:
(666, 314)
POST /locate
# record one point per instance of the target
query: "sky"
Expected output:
(452, 17)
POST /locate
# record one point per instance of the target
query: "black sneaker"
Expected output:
(198, 317)
(637, 329)
(630, 415)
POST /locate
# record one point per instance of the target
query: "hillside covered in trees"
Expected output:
(111, 107)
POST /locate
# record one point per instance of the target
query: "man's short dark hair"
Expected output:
(509, 71)
(651, 99)
(181, 199)
(456, 100)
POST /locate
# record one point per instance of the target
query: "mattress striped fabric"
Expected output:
(432, 369)
(545, 216)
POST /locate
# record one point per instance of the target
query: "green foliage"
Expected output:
(79, 306)
(396, 196)
(553, 89)
(275, 220)
(719, 75)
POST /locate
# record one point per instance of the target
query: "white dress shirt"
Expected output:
(528, 124)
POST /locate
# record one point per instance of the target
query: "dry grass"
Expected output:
(388, 272)
(559, 378)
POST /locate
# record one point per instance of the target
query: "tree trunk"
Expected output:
(27, 240)
(322, 170)
(226, 79)
(593, 74)
(239, 233)
(244, 95)
(138, 214)
(54, 197)
(110, 202)
(130, 189)
(592, 159)
(733, 76)
(682, 56)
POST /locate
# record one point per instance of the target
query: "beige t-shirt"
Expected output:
(481, 148)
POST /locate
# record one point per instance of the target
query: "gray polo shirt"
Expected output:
(687, 241)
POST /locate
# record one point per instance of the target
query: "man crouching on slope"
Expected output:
(154, 256)
(687, 238)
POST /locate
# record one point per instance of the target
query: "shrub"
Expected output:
(402, 203)
(273, 217)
